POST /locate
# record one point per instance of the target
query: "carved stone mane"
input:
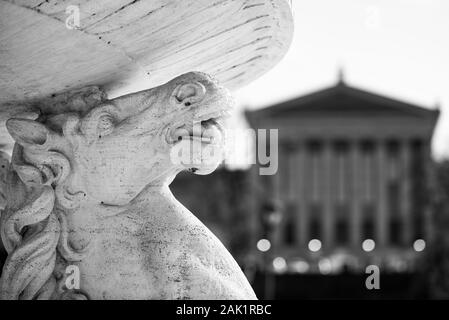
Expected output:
(34, 225)
(87, 166)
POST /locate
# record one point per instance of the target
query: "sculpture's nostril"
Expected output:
(208, 122)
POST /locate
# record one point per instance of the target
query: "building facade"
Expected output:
(353, 177)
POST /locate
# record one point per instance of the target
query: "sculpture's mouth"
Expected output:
(208, 129)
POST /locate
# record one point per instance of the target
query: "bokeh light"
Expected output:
(314, 245)
(300, 266)
(419, 245)
(279, 264)
(263, 245)
(368, 245)
(325, 266)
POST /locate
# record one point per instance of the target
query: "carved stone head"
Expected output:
(117, 147)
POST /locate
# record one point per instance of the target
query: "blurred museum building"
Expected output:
(353, 178)
(352, 186)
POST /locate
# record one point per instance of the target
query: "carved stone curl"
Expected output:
(88, 186)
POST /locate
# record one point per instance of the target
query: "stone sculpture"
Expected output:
(88, 187)
(4, 166)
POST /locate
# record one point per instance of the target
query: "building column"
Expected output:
(254, 182)
(327, 186)
(356, 213)
(381, 218)
(279, 196)
(298, 182)
(429, 226)
(276, 179)
(406, 214)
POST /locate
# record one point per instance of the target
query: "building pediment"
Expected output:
(343, 100)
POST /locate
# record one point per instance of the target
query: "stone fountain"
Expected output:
(98, 98)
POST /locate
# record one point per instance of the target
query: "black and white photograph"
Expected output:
(230, 156)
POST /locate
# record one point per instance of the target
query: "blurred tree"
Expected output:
(437, 260)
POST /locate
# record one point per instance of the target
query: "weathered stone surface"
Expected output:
(127, 46)
(4, 166)
(89, 187)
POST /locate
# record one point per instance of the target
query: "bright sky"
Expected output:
(399, 48)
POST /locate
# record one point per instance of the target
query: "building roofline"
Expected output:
(342, 87)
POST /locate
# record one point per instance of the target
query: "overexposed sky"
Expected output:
(398, 48)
